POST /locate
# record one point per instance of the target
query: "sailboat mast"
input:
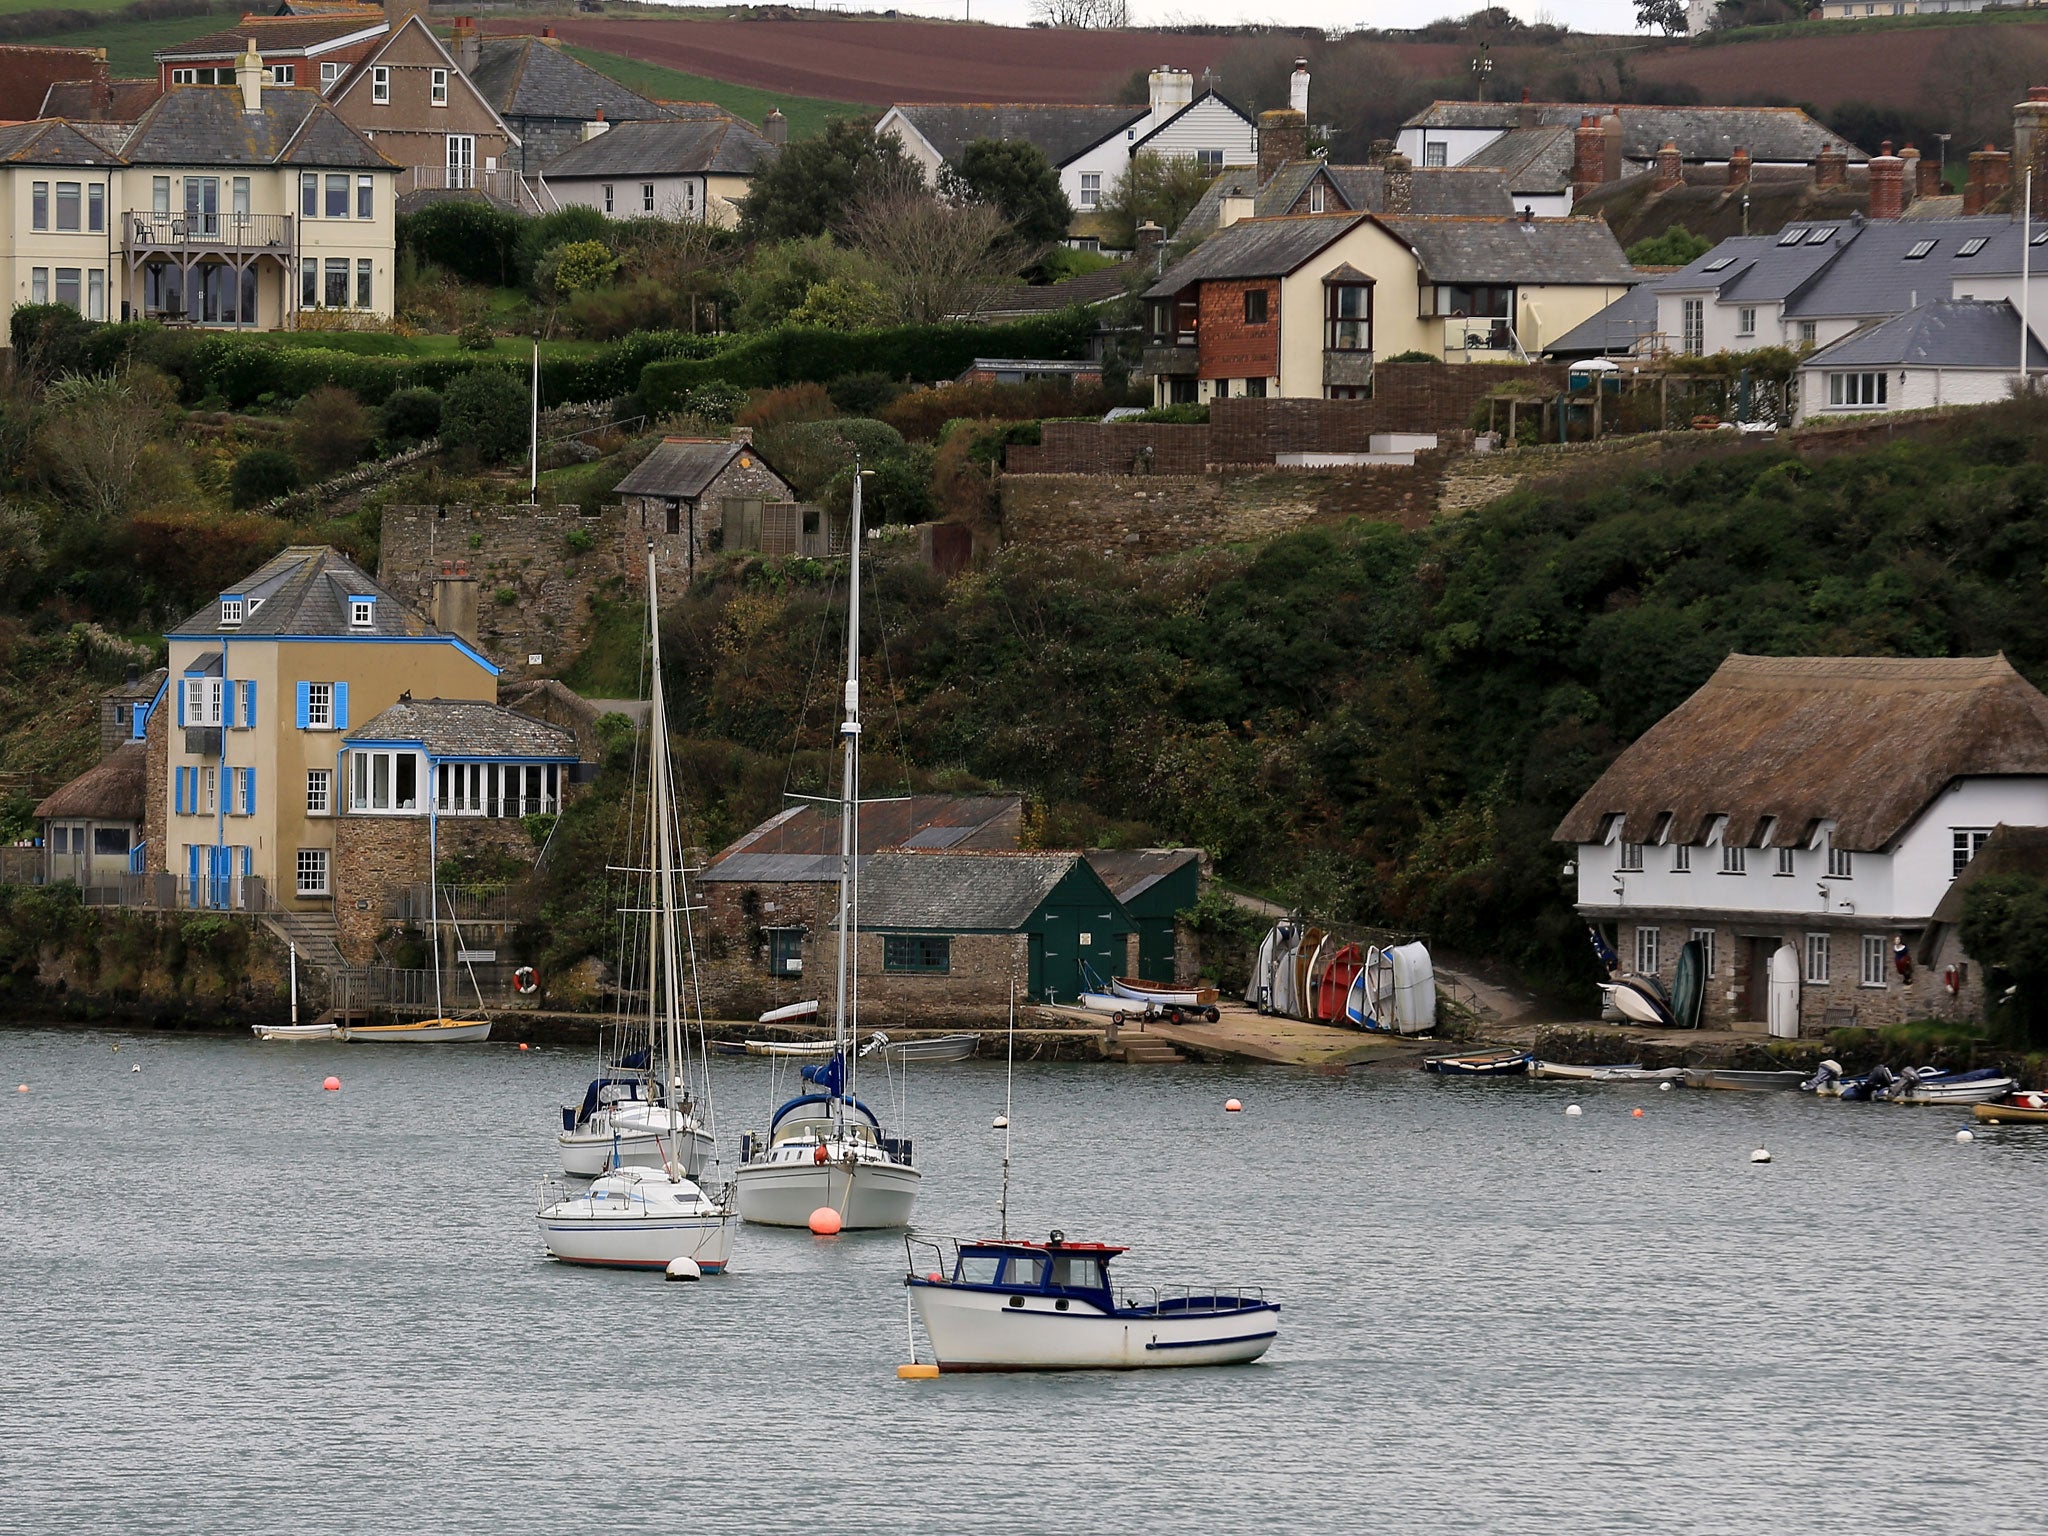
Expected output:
(664, 852)
(849, 794)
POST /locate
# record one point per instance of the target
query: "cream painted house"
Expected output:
(265, 685)
(241, 205)
(696, 169)
(1300, 306)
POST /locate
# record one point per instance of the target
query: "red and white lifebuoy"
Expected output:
(1952, 980)
(525, 981)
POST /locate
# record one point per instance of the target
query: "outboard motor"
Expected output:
(1830, 1072)
(1896, 1085)
(1869, 1085)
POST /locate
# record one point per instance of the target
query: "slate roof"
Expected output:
(1946, 333)
(959, 892)
(467, 728)
(683, 466)
(304, 590)
(1131, 872)
(1103, 285)
(667, 147)
(1061, 131)
(1363, 188)
(1866, 742)
(1511, 250)
(205, 125)
(120, 101)
(528, 77)
(1256, 248)
(1701, 133)
(1616, 328)
(802, 843)
(114, 789)
(50, 144)
(277, 35)
(1532, 159)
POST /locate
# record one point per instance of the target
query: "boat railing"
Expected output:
(1189, 1300)
(931, 1255)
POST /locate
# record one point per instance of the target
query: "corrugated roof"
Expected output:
(1130, 872)
(811, 832)
(526, 77)
(1865, 742)
(467, 728)
(956, 892)
(1947, 333)
(1701, 133)
(205, 125)
(304, 590)
(1513, 250)
(1061, 131)
(1256, 248)
(668, 147)
(114, 789)
(684, 466)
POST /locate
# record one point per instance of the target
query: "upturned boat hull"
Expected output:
(973, 1330)
(866, 1195)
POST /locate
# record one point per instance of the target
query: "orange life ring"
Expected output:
(1952, 980)
(525, 981)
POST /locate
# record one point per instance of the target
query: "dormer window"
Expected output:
(230, 612)
(362, 612)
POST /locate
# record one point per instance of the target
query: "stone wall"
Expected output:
(1137, 516)
(376, 858)
(535, 584)
(699, 532)
(156, 790)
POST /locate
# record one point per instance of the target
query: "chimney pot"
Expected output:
(1738, 167)
(1670, 167)
(1297, 87)
(2037, 93)
(1830, 166)
(1887, 184)
(775, 127)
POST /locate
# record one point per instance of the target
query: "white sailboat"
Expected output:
(826, 1150)
(649, 1217)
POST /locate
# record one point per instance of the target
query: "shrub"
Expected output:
(714, 403)
(1412, 356)
(1676, 247)
(768, 408)
(864, 394)
(581, 541)
(566, 225)
(476, 337)
(485, 413)
(411, 416)
(477, 241)
(921, 414)
(810, 454)
(262, 475)
(49, 340)
(899, 490)
(574, 267)
(331, 430)
(505, 597)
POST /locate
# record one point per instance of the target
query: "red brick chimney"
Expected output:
(1738, 167)
(1990, 178)
(1589, 156)
(1670, 168)
(1887, 183)
(1830, 166)
(1930, 179)
(1283, 139)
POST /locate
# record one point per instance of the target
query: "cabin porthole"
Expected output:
(1060, 1305)
(1016, 1301)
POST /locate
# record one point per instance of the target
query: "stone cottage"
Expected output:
(692, 497)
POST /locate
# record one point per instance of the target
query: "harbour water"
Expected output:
(233, 1302)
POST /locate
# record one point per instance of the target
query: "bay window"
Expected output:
(1347, 313)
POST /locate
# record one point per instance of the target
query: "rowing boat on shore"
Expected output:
(1627, 1072)
(1480, 1064)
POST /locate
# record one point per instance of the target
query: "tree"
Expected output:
(2005, 926)
(935, 260)
(574, 267)
(261, 475)
(807, 189)
(1153, 188)
(331, 430)
(1667, 15)
(411, 416)
(780, 278)
(1014, 176)
(1082, 13)
(1674, 248)
(485, 412)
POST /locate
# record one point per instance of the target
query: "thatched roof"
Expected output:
(1864, 742)
(112, 791)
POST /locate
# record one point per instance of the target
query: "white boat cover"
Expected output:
(1262, 966)
(1285, 997)
(1414, 988)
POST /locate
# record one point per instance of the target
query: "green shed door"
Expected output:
(1155, 950)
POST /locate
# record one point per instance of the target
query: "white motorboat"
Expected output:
(1929, 1085)
(928, 1048)
(1008, 1305)
(1627, 1072)
(826, 1150)
(637, 1218)
(633, 1216)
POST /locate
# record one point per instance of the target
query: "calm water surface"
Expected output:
(232, 1302)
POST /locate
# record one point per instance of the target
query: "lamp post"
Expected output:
(1482, 66)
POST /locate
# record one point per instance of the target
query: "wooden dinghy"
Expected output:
(420, 1032)
(1480, 1064)
(1753, 1082)
(2020, 1109)
(1624, 1072)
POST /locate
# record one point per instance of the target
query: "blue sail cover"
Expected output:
(829, 1076)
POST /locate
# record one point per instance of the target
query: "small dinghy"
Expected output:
(1751, 1082)
(932, 1048)
(1925, 1085)
(420, 1031)
(1480, 1064)
(1160, 996)
(1627, 1072)
(810, 1048)
(1639, 1001)
(790, 1012)
(1021, 1306)
(2024, 1108)
(296, 1031)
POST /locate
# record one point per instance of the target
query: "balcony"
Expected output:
(1347, 368)
(1166, 360)
(186, 233)
(1481, 339)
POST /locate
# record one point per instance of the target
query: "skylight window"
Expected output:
(1718, 263)
(1821, 236)
(1920, 249)
(1971, 247)
(2040, 239)
(1792, 236)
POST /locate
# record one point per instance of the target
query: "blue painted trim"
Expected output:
(460, 645)
(1242, 1338)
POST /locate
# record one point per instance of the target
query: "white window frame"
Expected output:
(1877, 954)
(1841, 863)
(437, 88)
(1965, 843)
(1649, 950)
(1091, 189)
(373, 781)
(1681, 858)
(330, 73)
(647, 197)
(231, 611)
(1631, 858)
(362, 612)
(203, 700)
(1315, 197)
(1745, 320)
(1436, 153)
(284, 74)
(1786, 860)
(1693, 321)
(1865, 389)
(380, 85)
(1704, 937)
(1818, 954)
(311, 869)
(209, 790)
(1734, 859)
(608, 198)
(319, 791)
(319, 706)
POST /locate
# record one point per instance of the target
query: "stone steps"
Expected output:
(1148, 1051)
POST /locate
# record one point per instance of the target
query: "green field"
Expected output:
(806, 114)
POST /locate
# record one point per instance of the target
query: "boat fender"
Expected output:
(525, 981)
(1951, 981)
(819, 1154)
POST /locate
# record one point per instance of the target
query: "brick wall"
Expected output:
(534, 586)
(1232, 349)
(156, 780)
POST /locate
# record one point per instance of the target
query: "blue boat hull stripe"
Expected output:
(1242, 1338)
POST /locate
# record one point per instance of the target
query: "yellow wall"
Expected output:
(377, 672)
(1379, 255)
(1546, 313)
(722, 197)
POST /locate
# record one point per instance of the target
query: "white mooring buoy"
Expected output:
(1759, 1156)
(1663, 1087)
(684, 1269)
(1573, 1109)
(1964, 1136)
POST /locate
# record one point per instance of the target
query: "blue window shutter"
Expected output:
(192, 869)
(245, 855)
(181, 701)
(178, 791)
(341, 706)
(249, 795)
(305, 703)
(249, 706)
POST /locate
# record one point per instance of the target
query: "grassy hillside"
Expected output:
(806, 114)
